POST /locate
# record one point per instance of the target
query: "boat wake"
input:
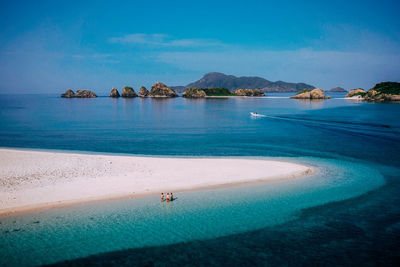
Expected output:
(361, 124)
(361, 128)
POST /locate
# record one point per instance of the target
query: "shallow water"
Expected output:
(354, 145)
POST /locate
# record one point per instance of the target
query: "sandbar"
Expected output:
(31, 180)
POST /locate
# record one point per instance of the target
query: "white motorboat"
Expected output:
(255, 114)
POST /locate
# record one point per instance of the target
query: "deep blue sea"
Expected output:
(347, 213)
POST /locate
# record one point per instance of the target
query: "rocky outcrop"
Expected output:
(114, 92)
(316, 93)
(68, 94)
(161, 90)
(303, 94)
(374, 95)
(85, 94)
(249, 92)
(392, 97)
(356, 92)
(143, 92)
(79, 94)
(128, 92)
(194, 93)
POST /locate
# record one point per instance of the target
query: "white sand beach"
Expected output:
(32, 180)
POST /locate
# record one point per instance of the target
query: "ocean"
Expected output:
(347, 213)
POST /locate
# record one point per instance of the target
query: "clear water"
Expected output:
(353, 145)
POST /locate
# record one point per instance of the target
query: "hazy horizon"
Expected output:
(48, 46)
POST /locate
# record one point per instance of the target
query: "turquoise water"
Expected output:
(353, 146)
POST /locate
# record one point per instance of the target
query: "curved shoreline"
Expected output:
(35, 180)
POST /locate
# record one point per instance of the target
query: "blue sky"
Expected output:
(49, 46)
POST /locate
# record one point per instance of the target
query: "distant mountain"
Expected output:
(337, 89)
(220, 80)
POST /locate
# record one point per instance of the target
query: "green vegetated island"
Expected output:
(385, 91)
(214, 85)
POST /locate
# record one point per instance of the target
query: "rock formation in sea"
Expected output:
(79, 94)
(194, 93)
(128, 92)
(161, 90)
(316, 93)
(143, 92)
(356, 92)
(114, 92)
(249, 92)
(85, 94)
(68, 94)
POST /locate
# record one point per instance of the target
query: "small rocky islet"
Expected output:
(114, 92)
(79, 94)
(194, 93)
(381, 92)
(316, 93)
(143, 92)
(356, 93)
(128, 92)
(161, 90)
(249, 92)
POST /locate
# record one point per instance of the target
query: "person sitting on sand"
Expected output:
(162, 197)
(168, 197)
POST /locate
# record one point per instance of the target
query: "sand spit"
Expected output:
(32, 180)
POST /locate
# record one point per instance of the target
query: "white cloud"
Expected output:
(163, 40)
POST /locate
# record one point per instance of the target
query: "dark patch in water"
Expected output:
(364, 231)
(13, 107)
(389, 136)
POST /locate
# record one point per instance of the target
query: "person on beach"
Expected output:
(168, 197)
(172, 197)
(162, 197)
